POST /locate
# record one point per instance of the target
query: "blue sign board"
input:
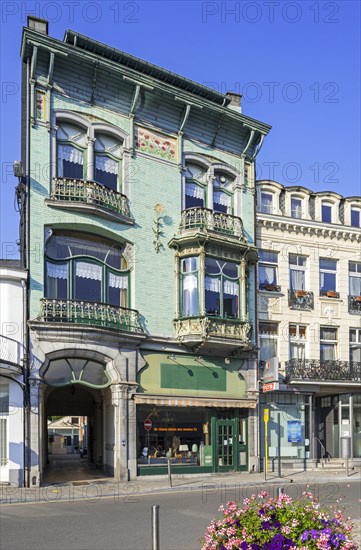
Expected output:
(294, 431)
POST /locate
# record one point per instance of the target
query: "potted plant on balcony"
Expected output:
(332, 294)
(358, 298)
(301, 293)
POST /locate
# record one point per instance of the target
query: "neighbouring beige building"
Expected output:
(309, 317)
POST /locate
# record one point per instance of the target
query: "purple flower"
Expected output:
(326, 531)
(266, 525)
(314, 534)
(244, 545)
(304, 536)
(277, 525)
(255, 546)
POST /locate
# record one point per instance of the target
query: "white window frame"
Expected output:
(333, 342)
(357, 343)
(270, 336)
(299, 340)
(358, 210)
(297, 267)
(331, 271)
(331, 206)
(356, 274)
(266, 263)
(271, 209)
(298, 212)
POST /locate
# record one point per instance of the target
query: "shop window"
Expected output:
(266, 202)
(268, 340)
(355, 217)
(296, 207)
(328, 275)
(328, 344)
(86, 268)
(297, 337)
(354, 277)
(326, 210)
(268, 270)
(297, 272)
(355, 345)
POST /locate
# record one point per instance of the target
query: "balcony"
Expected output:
(89, 197)
(210, 221)
(310, 369)
(11, 353)
(90, 313)
(300, 299)
(354, 305)
(211, 332)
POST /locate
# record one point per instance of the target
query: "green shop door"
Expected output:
(226, 445)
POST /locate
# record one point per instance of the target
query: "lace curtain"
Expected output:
(88, 271)
(230, 287)
(106, 164)
(297, 279)
(212, 284)
(190, 282)
(267, 275)
(118, 281)
(221, 198)
(57, 271)
(195, 191)
(69, 153)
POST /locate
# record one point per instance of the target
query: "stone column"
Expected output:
(34, 459)
(132, 433)
(90, 159)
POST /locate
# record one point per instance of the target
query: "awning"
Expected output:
(171, 401)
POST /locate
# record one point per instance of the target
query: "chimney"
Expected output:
(37, 24)
(235, 103)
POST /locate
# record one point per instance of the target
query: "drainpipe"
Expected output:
(256, 315)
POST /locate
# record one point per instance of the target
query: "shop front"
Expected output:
(197, 420)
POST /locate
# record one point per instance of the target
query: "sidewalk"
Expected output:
(237, 485)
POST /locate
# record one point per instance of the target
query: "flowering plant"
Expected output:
(278, 524)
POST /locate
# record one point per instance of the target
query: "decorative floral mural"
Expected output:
(155, 144)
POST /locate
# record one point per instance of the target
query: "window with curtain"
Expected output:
(221, 288)
(86, 268)
(266, 202)
(296, 207)
(268, 340)
(328, 274)
(267, 269)
(195, 186)
(355, 345)
(328, 343)
(107, 159)
(297, 338)
(189, 287)
(71, 147)
(222, 193)
(355, 217)
(297, 265)
(354, 277)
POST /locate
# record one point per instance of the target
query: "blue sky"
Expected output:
(297, 64)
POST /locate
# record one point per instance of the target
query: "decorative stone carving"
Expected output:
(156, 144)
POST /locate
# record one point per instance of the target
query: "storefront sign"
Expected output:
(175, 429)
(148, 424)
(207, 455)
(272, 386)
(294, 431)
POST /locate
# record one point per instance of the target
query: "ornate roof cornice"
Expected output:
(311, 228)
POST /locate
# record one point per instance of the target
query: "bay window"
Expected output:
(85, 268)
(221, 288)
(189, 286)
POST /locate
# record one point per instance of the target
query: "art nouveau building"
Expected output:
(139, 240)
(309, 311)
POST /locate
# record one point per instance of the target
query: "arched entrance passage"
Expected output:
(76, 396)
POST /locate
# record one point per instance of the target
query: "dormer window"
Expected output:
(355, 217)
(326, 212)
(266, 203)
(296, 207)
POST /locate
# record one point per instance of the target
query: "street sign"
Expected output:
(148, 424)
(266, 415)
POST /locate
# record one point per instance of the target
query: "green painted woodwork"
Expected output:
(182, 377)
(159, 376)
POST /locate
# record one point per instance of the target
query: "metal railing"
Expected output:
(314, 369)
(354, 305)
(204, 218)
(89, 192)
(11, 351)
(323, 450)
(300, 299)
(90, 313)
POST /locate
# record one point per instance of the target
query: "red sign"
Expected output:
(148, 424)
(270, 387)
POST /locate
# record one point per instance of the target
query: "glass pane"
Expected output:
(221, 202)
(328, 264)
(194, 195)
(189, 264)
(328, 352)
(213, 266)
(88, 285)
(355, 218)
(230, 269)
(266, 202)
(328, 281)
(57, 281)
(326, 213)
(267, 275)
(267, 256)
(105, 178)
(71, 170)
(118, 297)
(296, 208)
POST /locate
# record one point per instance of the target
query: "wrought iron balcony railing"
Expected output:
(89, 192)
(300, 299)
(354, 305)
(90, 313)
(208, 327)
(313, 369)
(203, 218)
